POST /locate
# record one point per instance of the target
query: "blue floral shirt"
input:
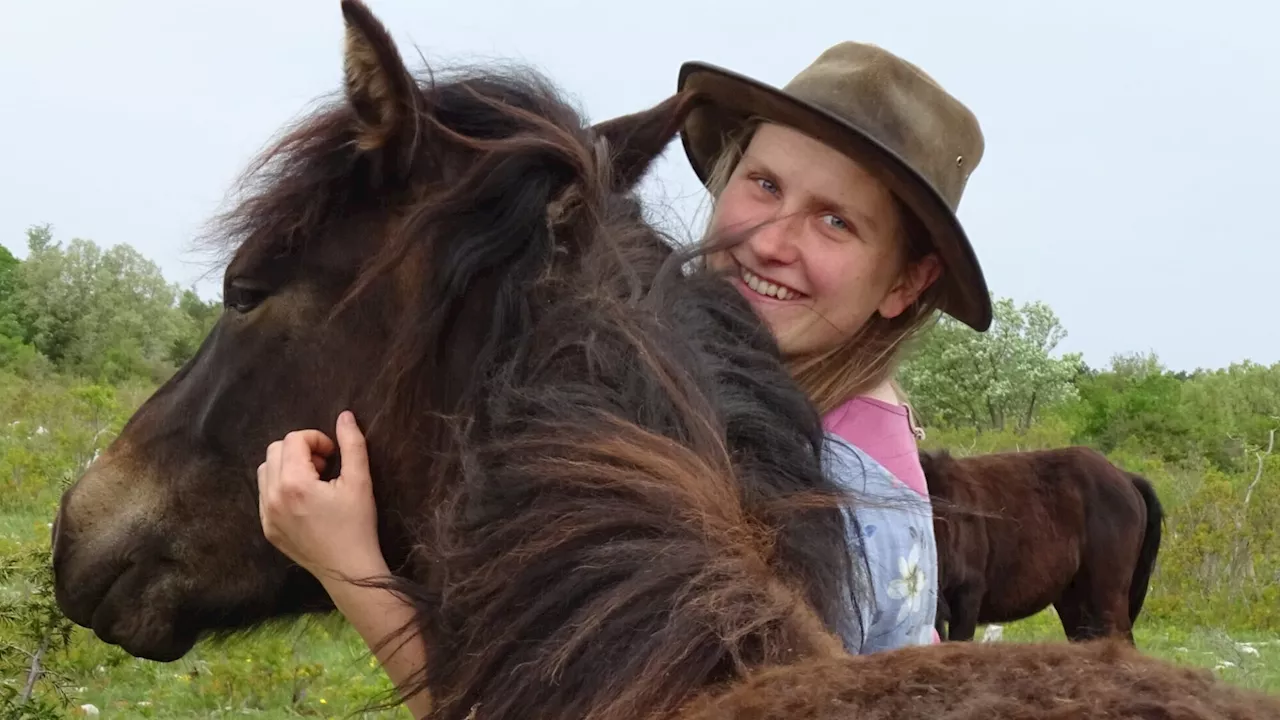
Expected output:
(896, 526)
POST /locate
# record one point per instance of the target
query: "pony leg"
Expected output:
(1112, 603)
(1073, 617)
(1076, 611)
(1090, 610)
(1101, 591)
(963, 622)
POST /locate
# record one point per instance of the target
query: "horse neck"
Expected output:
(556, 590)
(589, 565)
(644, 690)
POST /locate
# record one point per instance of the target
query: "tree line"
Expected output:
(105, 315)
(1009, 381)
(109, 316)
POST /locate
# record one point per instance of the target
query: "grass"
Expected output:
(320, 668)
(1249, 659)
(314, 669)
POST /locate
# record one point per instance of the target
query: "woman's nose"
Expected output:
(776, 240)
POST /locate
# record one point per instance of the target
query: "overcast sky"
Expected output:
(1129, 179)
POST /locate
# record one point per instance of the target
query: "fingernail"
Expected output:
(346, 417)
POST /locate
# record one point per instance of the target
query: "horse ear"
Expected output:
(636, 140)
(378, 85)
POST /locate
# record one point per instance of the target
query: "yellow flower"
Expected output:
(323, 701)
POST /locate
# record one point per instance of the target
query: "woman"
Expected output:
(844, 187)
(838, 194)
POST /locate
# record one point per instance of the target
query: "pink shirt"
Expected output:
(883, 431)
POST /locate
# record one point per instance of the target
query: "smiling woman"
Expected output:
(835, 217)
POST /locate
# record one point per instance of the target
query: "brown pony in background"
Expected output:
(601, 487)
(1017, 532)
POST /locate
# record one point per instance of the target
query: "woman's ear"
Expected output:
(914, 279)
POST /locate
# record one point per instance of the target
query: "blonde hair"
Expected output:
(873, 354)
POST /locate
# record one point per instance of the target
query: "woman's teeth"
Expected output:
(766, 288)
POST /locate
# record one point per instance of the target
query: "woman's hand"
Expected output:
(328, 528)
(331, 529)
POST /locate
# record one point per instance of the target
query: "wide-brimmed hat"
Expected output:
(884, 113)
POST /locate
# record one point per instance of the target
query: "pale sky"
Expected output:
(1131, 145)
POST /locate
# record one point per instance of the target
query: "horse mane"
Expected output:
(628, 484)
(642, 511)
(636, 522)
(304, 180)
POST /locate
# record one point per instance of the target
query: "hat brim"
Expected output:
(730, 99)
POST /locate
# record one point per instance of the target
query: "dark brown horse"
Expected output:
(461, 262)
(1017, 532)
(602, 489)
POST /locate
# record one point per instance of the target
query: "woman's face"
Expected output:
(825, 249)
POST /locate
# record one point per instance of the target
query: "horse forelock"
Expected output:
(505, 177)
(317, 172)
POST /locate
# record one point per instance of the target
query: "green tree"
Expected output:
(1137, 402)
(1234, 410)
(8, 277)
(196, 319)
(15, 353)
(107, 315)
(1002, 378)
(10, 329)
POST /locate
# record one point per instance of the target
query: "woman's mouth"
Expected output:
(767, 288)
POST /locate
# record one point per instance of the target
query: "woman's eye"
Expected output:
(243, 297)
(837, 223)
(767, 185)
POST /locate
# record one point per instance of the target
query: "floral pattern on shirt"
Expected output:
(896, 530)
(909, 585)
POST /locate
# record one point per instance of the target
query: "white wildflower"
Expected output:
(909, 586)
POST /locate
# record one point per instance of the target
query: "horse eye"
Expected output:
(243, 297)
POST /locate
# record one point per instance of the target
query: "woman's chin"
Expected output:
(782, 319)
(796, 333)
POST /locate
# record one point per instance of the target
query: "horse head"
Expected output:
(382, 252)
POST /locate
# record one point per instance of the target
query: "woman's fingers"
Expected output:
(300, 445)
(355, 454)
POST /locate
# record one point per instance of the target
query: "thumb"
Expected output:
(355, 455)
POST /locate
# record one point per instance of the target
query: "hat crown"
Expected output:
(902, 107)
